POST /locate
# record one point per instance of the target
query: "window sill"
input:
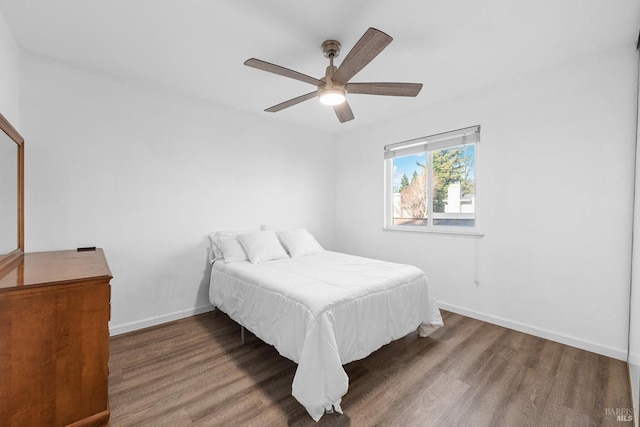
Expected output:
(438, 231)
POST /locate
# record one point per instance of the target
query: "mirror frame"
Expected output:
(7, 259)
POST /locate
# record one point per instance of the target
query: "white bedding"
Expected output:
(323, 311)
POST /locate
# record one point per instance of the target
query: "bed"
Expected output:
(323, 310)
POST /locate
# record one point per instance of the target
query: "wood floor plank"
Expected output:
(430, 404)
(196, 372)
(394, 380)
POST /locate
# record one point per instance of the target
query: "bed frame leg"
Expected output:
(242, 334)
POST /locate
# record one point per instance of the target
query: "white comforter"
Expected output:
(323, 311)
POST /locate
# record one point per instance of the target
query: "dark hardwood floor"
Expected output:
(195, 371)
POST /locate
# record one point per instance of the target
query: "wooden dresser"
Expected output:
(54, 340)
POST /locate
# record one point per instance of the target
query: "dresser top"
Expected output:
(46, 268)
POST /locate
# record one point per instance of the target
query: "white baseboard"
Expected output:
(152, 321)
(553, 336)
(542, 333)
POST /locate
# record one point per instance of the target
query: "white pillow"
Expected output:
(299, 242)
(231, 249)
(215, 253)
(262, 246)
(216, 246)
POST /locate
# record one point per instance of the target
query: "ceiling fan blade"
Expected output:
(276, 69)
(367, 48)
(291, 102)
(388, 89)
(343, 111)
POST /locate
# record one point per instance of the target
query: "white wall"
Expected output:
(9, 60)
(634, 315)
(146, 174)
(555, 178)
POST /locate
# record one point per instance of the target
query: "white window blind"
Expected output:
(439, 141)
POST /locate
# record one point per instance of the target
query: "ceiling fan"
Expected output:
(333, 88)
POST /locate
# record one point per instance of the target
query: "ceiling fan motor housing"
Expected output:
(331, 93)
(331, 48)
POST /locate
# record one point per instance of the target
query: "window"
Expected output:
(431, 182)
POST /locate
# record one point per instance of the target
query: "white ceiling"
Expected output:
(197, 47)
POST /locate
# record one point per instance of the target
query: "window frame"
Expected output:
(456, 138)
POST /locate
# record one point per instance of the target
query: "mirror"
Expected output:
(8, 195)
(11, 194)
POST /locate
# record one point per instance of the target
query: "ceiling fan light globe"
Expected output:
(332, 97)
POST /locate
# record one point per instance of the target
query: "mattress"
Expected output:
(323, 311)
